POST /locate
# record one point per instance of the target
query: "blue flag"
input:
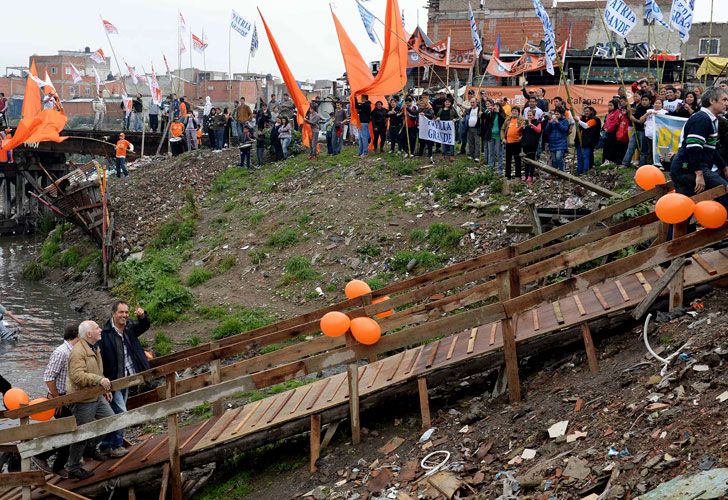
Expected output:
(654, 13)
(681, 17)
(254, 42)
(549, 37)
(368, 19)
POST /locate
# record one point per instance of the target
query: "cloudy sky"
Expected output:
(303, 30)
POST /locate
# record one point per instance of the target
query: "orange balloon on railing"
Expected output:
(44, 415)
(15, 397)
(366, 330)
(382, 314)
(649, 176)
(710, 214)
(334, 324)
(674, 208)
(356, 288)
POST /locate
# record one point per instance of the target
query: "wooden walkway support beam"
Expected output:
(352, 374)
(572, 178)
(424, 402)
(173, 432)
(215, 378)
(315, 439)
(659, 286)
(591, 352)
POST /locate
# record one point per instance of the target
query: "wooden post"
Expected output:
(132, 493)
(424, 402)
(676, 289)
(173, 432)
(315, 442)
(591, 352)
(25, 462)
(217, 406)
(509, 287)
(165, 482)
(352, 374)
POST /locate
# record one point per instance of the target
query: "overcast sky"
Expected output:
(303, 30)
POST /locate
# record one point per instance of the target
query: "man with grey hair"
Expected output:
(698, 164)
(86, 370)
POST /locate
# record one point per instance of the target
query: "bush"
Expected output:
(427, 260)
(463, 182)
(194, 341)
(69, 258)
(32, 271)
(226, 263)
(257, 256)
(49, 252)
(380, 280)
(443, 235)
(174, 232)
(370, 250)
(242, 321)
(417, 235)
(283, 238)
(198, 276)
(168, 300)
(162, 344)
(298, 268)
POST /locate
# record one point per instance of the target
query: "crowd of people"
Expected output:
(91, 357)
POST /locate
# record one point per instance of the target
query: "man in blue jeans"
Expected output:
(637, 140)
(122, 355)
(364, 108)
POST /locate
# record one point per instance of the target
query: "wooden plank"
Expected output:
(433, 354)
(318, 394)
(645, 284)
(591, 352)
(132, 493)
(315, 442)
(471, 341)
(223, 422)
(193, 435)
(579, 305)
(247, 417)
(165, 482)
(536, 325)
(676, 286)
(175, 468)
(704, 264)
(493, 330)
(123, 459)
(622, 291)
(659, 271)
(62, 492)
(303, 397)
(557, 312)
(32, 478)
(49, 428)
(451, 350)
(424, 402)
(352, 375)
(600, 297)
(572, 178)
(217, 405)
(415, 360)
(511, 361)
(397, 365)
(282, 405)
(336, 390)
(156, 448)
(376, 374)
(330, 431)
(658, 288)
(267, 407)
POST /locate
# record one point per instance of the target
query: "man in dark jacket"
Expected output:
(122, 355)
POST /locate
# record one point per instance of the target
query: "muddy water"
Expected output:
(44, 308)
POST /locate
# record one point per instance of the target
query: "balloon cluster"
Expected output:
(365, 330)
(674, 208)
(15, 398)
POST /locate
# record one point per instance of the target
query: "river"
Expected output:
(44, 308)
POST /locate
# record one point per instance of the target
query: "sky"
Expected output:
(303, 29)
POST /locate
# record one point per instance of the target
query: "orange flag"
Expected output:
(36, 124)
(294, 90)
(392, 76)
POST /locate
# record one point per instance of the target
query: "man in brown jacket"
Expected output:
(85, 370)
(243, 114)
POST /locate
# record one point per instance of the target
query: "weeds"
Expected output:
(283, 238)
(423, 259)
(162, 344)
(241, 321)
(198, 276)
(298, 269)
(444, 236)
(32, 271)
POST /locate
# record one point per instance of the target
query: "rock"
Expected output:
(558, 429)
(411, 265)
(577, 468)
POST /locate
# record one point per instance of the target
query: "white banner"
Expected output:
(242, 26)
(681, 17)
(477, 44)
(619, 17)
(437, 131)
(668, 135)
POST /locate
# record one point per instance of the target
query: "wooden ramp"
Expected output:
(595, 302)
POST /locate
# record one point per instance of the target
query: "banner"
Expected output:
(619, 17)
(75, 74)
(668, 135)
(437, 131)
(423, 52)
(597, 96)
(98, 57)
(527, 62)
(549, 36)
(681, 17)
(477, 44)
(654, 13)
(198, 44)
(241, 25)
(154, 89)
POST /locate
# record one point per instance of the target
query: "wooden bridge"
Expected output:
(445, 324)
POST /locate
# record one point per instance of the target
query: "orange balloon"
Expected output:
(649, 176)
(44, 415)
(334, 324)
(674, 208)
(366, 330)
(382, 314)
(710, 214)
(356, 288)
(15, 397)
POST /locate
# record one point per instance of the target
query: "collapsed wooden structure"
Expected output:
(475, 315)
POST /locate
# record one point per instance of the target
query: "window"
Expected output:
(88, 91)
(67, 71)
(709, 47)
(54, 70)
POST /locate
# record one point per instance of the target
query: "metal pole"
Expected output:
(230, 66)
(710, 38)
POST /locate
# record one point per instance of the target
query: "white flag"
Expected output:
(154, 89)
(549, 36)
(132, 73)
(98, 81)
(477, 44)
(243, 26)
(98, 57)
(681, 17)
(619, 17)
(75, 74)
(654, 13)
(182, 23)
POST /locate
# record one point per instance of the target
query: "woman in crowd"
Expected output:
(688, 107)
(587, 138)
(649, 120)
(284, 134)
(227, 129)
(275, 140)
(379, 124)
(493, 121)
(558, 131)
(613, 151)
(448, 113)
(530, 137)
(511, 134)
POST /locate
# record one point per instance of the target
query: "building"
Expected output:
(706, 40)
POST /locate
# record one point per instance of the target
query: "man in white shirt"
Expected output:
(533, 106)
(671, 103)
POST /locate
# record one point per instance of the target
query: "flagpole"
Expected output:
(230, 65)
(116, 59)
(447, 61)
(710, 38)
(204, 58)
